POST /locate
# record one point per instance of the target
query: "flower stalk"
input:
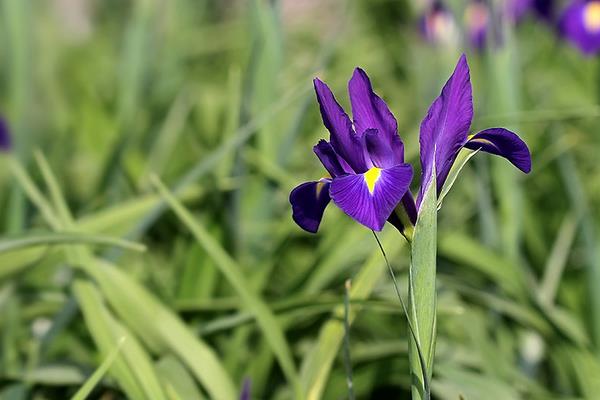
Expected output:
(422, 294)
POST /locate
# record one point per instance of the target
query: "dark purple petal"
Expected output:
(308, 201)
(444, 129)
(245, 395)
(405, 213)
(580, 25)
(369, 110)
(544, 9)
(343, 139)
(5, 139)
(371, 197)
(382, 153)
(333, 163)
(502, 142)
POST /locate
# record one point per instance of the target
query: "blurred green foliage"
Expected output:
(215, 99)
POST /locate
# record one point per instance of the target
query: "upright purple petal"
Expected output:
(445, 127)
(383, 153)
(580, 25)
(5, 139)
(371, 197)
(343, 139)
(369, 110)
(308, 201)
(502, 142)
(332, 162)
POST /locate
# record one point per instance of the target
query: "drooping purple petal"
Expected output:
(5, 139)
(383, 153)
(580, 25)
(308, 201)
(445, 127)
(502, 142)
(332, 162)
(343, 138)
(369, 110)
(371, 197)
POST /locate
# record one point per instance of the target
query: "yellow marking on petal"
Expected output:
(319, 188)
(371, 177)
(483, 141)
(591, 16)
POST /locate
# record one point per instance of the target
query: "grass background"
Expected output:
(146, 231)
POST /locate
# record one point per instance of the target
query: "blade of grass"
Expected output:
(233, 273)
(35, 239)
(89, 385)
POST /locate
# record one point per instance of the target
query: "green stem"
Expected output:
(422, 293)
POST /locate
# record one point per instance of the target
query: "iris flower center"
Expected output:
(371, 177)
(591, 16)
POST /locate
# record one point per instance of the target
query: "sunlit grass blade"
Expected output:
(317, 364)
(89, 385)
(233, 273)
(37, 239)
(160, 328)
(131, 367)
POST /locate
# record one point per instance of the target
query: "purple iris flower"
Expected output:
(580, 25)
(369, 177)
(445, 131)
(365, 160)
(5, 139)
(516, 10)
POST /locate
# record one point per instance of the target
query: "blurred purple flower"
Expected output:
(580, 25)
(369, 176)
(5, 138)
(438, 25)
(477, 21)
(516, 10)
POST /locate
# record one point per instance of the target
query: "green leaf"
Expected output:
(93, 380)
(233, 273)
(35, 240)
(422, 290)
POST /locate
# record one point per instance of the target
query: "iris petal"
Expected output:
(502, 142)
(370, 198)
(343, 139)
(444, 129)
(383, 152)
(332, 162)
(309, 200)
(370, 111)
